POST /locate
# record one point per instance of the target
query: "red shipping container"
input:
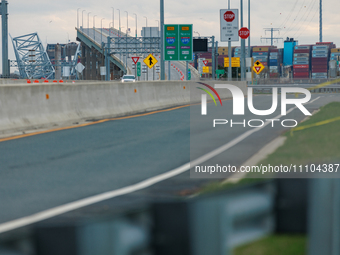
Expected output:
(300, 66)
(301, 70)
(301, 51)
(320, 70)
(301, 74)
(319, 59)
(319, 66)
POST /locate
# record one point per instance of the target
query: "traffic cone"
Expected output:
(36, 81)
(46, 81)
(28, 81)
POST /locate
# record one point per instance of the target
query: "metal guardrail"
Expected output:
(210, 224)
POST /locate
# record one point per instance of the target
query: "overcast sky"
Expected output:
(55, 21)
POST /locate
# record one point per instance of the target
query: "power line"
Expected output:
(310, 7)
(288, 17)
(316, 11)
(306, 17)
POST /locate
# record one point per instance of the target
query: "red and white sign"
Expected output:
(258, 68)
(205, 62)
(244, 33)
(229, 16)
(135, 59)
(229, 25)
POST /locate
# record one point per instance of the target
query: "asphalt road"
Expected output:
(48, 170)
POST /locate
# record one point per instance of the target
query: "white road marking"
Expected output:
(43, 215)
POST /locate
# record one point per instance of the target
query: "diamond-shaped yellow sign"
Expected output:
(150, 61)
(258, 67)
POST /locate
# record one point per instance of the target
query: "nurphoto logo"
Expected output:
(239, 102)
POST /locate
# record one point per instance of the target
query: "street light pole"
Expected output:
(82, 19)
(94, 29)
(88, 20)
(110, 26)
(146, 21)
(113, 17)
(101, 30)
(136, 23)
(119, 21)
(158, 26)
(127, 22)
(78, 17)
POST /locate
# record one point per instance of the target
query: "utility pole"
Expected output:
(243, 70)
(272, 30)
(4, 21)
(249, 55)
(320, 22)
(162, 39)
(229, 54)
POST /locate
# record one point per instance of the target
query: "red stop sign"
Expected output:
(244, 33)
(229, 16)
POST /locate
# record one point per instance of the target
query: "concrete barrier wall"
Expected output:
(39, 105)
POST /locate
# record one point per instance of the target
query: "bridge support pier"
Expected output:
(94, 63)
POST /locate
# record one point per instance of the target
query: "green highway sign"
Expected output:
(171, 42)
(220, 71)
(185, 42)
(138, 69)
(178, 43)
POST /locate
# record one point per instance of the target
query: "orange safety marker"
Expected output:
(46, 81)
(28, 81)
(36, 81)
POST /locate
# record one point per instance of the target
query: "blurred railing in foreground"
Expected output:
(209, 224)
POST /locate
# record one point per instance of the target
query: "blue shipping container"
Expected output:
(320, 55)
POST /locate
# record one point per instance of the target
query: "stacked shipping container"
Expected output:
(261, 54)
(335, 52)
(275, 61)
(320, 58)
(301, 61)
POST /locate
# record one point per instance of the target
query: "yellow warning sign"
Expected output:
(235, 62)
(205, 69)
(150, 61)
(258, 67)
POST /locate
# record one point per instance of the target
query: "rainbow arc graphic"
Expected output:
(209, 93)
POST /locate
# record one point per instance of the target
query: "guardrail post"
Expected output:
(324, 213)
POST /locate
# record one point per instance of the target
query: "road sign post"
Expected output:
(138, 69)
(229, 30)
